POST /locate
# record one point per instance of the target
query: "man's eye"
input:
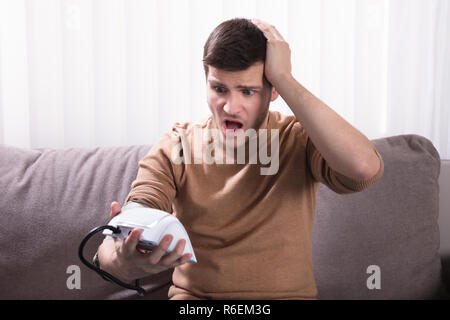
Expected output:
(248, 92)
(220, 89)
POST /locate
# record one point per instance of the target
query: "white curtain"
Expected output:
(85, 73)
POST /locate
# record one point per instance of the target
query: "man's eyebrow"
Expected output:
(217, 83)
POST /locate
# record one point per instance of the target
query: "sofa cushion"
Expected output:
(50, 199)
(388, 234)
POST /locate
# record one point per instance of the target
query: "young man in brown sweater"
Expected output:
(249, 221)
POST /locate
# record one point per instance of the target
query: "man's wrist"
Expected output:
(96, 262)
(281, 80)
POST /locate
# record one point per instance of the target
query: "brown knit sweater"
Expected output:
(251, 233)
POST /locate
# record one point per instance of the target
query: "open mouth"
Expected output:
(231, 126)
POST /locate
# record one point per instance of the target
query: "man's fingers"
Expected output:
(185, 258)
(270, 32)
(130, 243)
(172, 257)
(160, 250)
(115, 209)
(264, 27)
(277, 34)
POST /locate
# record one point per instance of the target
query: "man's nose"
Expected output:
(233, 105)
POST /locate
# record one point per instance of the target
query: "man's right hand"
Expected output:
(125, 261)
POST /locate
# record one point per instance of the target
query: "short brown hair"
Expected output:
(234, 45)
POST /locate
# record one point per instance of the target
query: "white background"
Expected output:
(88, 73)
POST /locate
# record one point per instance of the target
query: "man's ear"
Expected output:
(274, 95)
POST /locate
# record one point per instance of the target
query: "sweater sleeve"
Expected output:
(334, 180)
(156, 181)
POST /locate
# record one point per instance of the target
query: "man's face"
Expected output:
(239, 100)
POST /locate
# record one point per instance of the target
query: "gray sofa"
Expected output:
(398, 230)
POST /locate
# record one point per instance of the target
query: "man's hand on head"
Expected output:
(278, 56)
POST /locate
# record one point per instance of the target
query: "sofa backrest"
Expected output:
(383, 243)
(444, 220)
(50, 199)
(444, 208)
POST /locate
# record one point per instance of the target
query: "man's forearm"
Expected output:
(345, 149)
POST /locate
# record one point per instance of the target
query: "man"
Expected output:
(251, 232)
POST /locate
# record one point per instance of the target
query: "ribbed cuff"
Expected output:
(363, 184)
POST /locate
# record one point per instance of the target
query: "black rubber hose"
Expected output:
(103, 273)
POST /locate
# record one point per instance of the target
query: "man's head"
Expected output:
(237, 90)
